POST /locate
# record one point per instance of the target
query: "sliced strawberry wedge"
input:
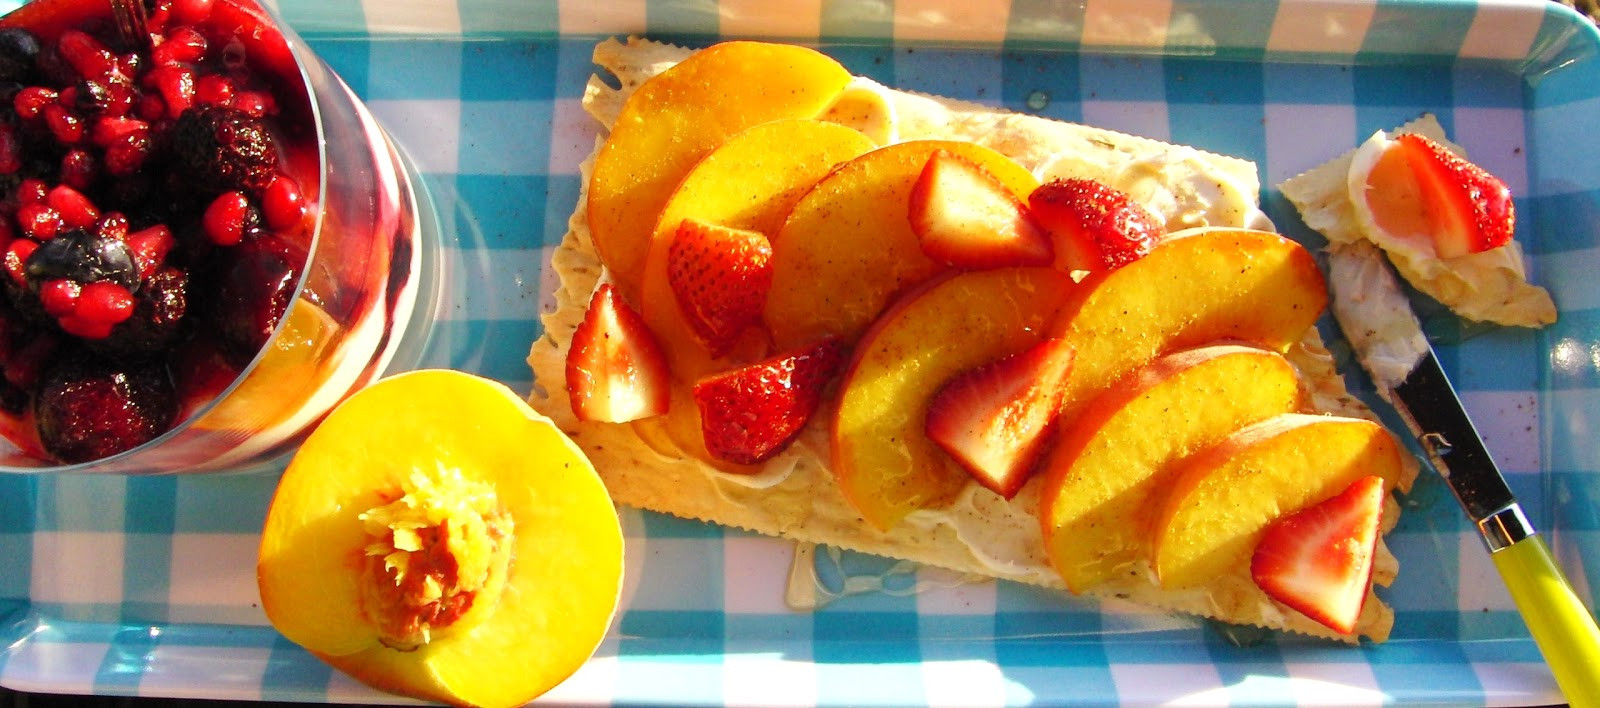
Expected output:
(720, 276)
(996, 419)
(1471, 210)
(966, 218)
(1095, 227)
(751, 413)
(1319, 560)
(615, 369)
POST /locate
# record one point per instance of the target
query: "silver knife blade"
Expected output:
(1378, 321)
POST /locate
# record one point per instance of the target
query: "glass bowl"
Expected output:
(365, 297)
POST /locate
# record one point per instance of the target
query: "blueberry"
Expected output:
(80, 256)
(18, 51)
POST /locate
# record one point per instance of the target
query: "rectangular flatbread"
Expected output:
(795, 496)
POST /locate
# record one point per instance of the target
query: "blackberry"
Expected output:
(158, 316)
(84, 258)
(88, 407)
(18, 51)
(215, 149)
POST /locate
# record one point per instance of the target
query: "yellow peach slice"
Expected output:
(1221, 499)
(882, 458)
(848, 248)
(1107, 469)
(437, 538)
(1194, 288)
(674, 119)
(749, 182)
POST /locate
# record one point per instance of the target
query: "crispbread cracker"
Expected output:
(1490, 286)
(796, 498)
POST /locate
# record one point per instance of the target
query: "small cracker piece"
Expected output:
(1490, 286)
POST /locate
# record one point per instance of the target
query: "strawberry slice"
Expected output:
(753, 412)
(1471, 210)
(1319, 560)
(615, 369)
(720, 276)
(966, 218)
(1095, 227)
(996, 419)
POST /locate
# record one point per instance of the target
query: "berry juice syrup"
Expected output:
(199, 256)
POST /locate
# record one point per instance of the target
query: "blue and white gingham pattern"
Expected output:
(145, 586)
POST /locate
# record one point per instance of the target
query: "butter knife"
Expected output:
(1378, 321)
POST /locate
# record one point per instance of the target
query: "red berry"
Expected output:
(59, 297)
(32, 191)
(253, 103)
(176, 85)
(75, 210)
(190, 12)
(68, 97)
(87, 55)
(29, 101)
(224, 219)
(65, 125)
(151, 107)
(127, 156)
(282, 204)
(213, 90)
(16, 258)
(104, 301)
(150, 247)
(183, 46)
(78, 169)
(38, 221)
(111, 129)
(85, 328)
(130, 64)
(159, 16)
(10, 150)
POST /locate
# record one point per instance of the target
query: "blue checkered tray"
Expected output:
(145, 586)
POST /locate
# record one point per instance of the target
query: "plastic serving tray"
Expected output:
(146, 586)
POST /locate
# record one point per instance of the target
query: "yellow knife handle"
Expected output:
(1561, 625)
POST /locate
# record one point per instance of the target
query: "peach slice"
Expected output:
(1195, 288)
(749, 182)
(848, 248)
(674, 119)
(882, 457)
(437, 538)
(1107, 471)
(1219, 501)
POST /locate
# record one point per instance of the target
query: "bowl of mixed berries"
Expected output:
(206, 241)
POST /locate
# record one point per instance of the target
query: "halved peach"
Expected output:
(674, 119)
(1213, 512)
(882, 457)
(848, 248)
(1192, 289)
(437, 538)
(1108, 470)
(749, 182)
